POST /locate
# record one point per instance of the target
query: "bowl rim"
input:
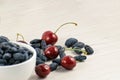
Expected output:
(22, 63)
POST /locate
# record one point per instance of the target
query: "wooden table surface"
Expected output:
(98, 25)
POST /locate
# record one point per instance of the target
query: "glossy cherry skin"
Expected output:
(42, 70)
(51, 52)
(50, 37)
(68, 62)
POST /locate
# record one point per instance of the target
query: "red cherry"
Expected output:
(51, 37)
(42, 70)
(51, 52)
(68, 62)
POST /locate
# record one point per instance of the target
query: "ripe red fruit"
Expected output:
(51, 52)
(42, 70)
(51, 37)
(68, 62)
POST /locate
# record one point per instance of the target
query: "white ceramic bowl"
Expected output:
(21, 71)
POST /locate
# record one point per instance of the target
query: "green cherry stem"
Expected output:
(64, 25)
(71, 49)
(19, 35)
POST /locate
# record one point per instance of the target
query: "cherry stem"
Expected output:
(71, 49)
(17, 39)
(64, 25)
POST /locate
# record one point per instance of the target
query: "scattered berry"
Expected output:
(35, 41)
(79, 45)
(89, 50)
(80, 58)
(58, 61)
(53, 66)
(70, 42)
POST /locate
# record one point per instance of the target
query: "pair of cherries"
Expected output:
(68, 62)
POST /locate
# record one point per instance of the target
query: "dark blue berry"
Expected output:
(7, 56)
(19, 57)
(89, 50)
(78, 44)
(58, 61)
(5, 46)
(40, 54)
(48, 46)
(60, 49)
(34, 41)
(62, 55)
(43, 44)
(77, 50)
(3, 39)
(80, 58)
(37, 45)
(26, 55)
(17, 62)
(1, 56)
(11, 61)
(2, 61)
(1, 51)
(39, 61)
(53, 66)
(12, 50)
(70, 42)
(2, 65)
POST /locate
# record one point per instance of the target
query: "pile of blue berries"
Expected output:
(11, 53)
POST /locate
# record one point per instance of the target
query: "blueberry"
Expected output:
(89, 50)
(19, 57)
(1, 51)
(60, 49)
(2, 61)
(43, 44)
(40, 54)
(7, 56)
(12, 50)
(0, 56)
(11, 61)
(70, 42)
(26, 55)
(80, 58)
(58, 61)
(48, 46)
(78, 50)
(1, 64)
(37, 45)
(62, 55)
(3, 39)
(53, 66)
(17, 62)
(21, 50)
(78, 44)
(34, 41)
(5, 46)
(39, 61)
